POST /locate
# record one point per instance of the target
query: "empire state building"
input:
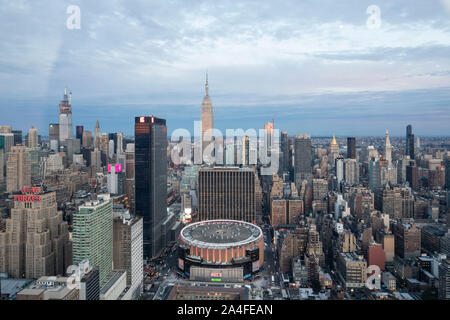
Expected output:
(65, 117)
(207, 118)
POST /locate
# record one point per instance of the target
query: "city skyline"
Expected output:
(308, 65)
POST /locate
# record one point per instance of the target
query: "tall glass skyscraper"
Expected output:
(150, 169)
(302, 158)
(409, 142)
(93, 235)
(351, 147)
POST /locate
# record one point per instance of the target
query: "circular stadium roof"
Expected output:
(220, 233)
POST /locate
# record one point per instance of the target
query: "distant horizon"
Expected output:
(314, 66)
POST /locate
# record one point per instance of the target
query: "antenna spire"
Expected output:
(206, 85)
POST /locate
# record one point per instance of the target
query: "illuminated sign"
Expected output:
(142, 119)
(216, 274)
(216, 279)
(118, 167)
(26, 198)
(28, 195)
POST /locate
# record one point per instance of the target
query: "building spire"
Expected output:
(206, 85)
(333, 142)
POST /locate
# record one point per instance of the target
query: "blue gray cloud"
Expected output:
(263, 57)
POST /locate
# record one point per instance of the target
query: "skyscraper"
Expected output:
(444, 280)
(388, 149)
(284, 163)
(119, 144)
(79, 133)
(334, 150)
(151, 180)
(351, 147)
(268, 135)
(6, 141)
(33, 139)
(93, 235)
(65, 117)
(128, 246)
(17, 137)
(229, 193)
(87, 139)
(53, 134)
(18, 169)
(302, 158)
(36, 240)
(409, 150)
(97, 136)
(207, 116)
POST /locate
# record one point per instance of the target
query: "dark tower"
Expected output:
(351, 148)
(151, 180)
(79, 133)
(409, 142)
(302, 158)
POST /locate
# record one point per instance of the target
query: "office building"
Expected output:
(53, 136)
(93, 235)
(388, 149)
(229, 193)
(150, 166)
(334, 150)
(87, 139)
(65, 117)
(351, 148)
(407, 240)
(302, 158)
(444, 280)
(18, 169)
(36, 240)
(207, 118)
(352, 269)
(128, 250)
(6, 141)
(409, 150)
(97, 135)
(79, 133)
(17, 137)
(351, 172)
(33, 139)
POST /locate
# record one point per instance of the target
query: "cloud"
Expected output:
(256, 52)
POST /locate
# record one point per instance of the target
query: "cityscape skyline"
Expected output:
(247, 150)
(300, 62)
(87, 116)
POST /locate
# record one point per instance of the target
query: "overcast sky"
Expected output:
(314, 66)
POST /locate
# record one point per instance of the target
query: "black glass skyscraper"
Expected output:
(151, 180)
(302, 158)
(351, 148)
(409, 151)
(79, 133)
(284, 163)
(17, 136)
